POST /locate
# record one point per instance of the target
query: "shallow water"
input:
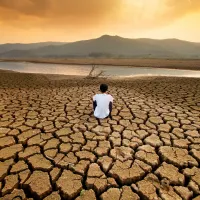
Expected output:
(113, 71)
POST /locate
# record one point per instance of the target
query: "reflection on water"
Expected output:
(83, 70)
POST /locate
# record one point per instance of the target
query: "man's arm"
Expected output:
(110, 109)
(94, 104)
(110, 106)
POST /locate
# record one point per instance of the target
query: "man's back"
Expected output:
(102, 105)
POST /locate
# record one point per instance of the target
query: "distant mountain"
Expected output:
(18, 46)
(108, 46)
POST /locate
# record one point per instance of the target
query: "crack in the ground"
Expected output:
(58, 107)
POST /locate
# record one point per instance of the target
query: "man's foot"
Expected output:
(99, 122)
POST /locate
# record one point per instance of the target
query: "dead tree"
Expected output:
(91, 71)
(92, 75)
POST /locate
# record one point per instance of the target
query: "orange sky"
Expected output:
(69, 20)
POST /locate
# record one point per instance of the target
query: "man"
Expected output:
(102, 103)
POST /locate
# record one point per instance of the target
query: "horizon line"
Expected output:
(98, 38)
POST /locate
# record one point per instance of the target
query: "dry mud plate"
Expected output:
(52, 148)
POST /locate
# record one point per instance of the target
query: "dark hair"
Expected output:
(103, 88)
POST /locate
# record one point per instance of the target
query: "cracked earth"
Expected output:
(52, 148)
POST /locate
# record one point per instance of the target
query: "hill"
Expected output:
(108, 47)
(18, 46)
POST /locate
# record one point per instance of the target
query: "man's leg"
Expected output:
(110, 109)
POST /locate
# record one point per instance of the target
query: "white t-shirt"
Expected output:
(103, 101)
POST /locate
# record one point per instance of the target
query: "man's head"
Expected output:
(103, 88)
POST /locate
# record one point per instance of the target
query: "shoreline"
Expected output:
(129, 63)
(57, 77)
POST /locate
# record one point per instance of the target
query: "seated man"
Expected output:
(102, 103)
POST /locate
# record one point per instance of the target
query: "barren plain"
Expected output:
(52, 148)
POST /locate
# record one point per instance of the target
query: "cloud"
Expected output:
(27, 7)
(57, 12)
(175, 9)
(155, 14)
(71, 19)
(86, 13)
